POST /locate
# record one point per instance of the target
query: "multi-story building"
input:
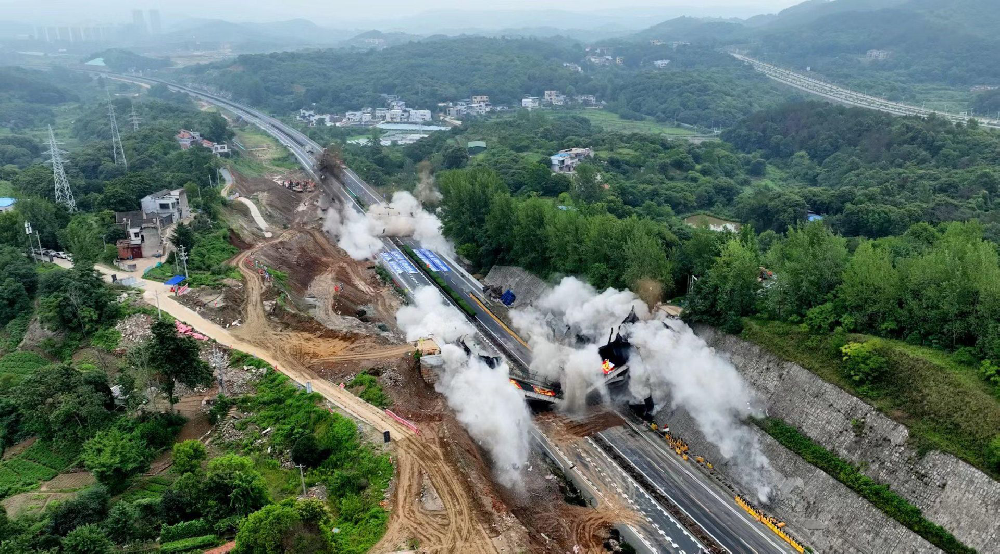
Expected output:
(530, 102)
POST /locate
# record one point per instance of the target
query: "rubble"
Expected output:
(134, 329)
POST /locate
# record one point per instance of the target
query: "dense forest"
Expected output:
(28, 96)
(926, 42)
(421, 73)
(699, 87)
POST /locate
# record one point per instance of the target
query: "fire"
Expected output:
(515, 383)
(543, 391)
(607, 367)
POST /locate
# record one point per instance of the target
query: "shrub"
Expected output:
(106, 338)
(863, 363)
(114, 457)
(993, 453)
(821, 319)
(185, 530)
(308, 452)
(90, 506)
(87, 539)
(188, 456)
(192, 543)
(120, 525)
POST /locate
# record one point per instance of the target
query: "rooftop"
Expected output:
(6, 202)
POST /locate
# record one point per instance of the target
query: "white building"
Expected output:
(530, 102)
(171, 204)
(381, 114)
(418, 116)
(480, 99)
(660, 64)
(565, 161)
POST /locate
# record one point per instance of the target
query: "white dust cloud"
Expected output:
(667, 361)
(491, 410)
(360, 234)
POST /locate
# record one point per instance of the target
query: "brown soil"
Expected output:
(277, 204)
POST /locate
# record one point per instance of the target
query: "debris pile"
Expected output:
(134, 329)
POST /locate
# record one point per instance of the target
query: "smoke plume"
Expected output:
(427, 191)
(429, 316)
(491, 410)
(667, 361)
(359, 234)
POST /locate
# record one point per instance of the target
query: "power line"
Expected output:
(64, 195)
(116, 138)
(134, 118)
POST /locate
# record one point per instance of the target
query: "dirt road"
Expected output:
(454, 528)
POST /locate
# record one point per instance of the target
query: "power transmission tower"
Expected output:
(116, 138)
(64, 195)
(134, 118)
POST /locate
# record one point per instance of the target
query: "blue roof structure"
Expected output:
(6, 201)
(174, 280)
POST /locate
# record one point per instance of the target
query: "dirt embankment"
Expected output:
(339, 321)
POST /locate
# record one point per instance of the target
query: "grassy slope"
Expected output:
(944, 403)
(612, 122)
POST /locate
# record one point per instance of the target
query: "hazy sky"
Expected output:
(330, 12)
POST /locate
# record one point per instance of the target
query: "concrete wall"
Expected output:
(821, 512)
(949, 491)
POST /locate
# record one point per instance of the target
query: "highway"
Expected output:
(700, 497)
(705, 502)
(846, 96)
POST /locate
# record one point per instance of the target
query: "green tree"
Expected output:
(586, 187)
(993, 453)
(176, 358)
(60, 402)
(292, 527)
(234, 487)
(808, 265)
(121, 522)
(76, 299)
(454, 157)
(87, 539)
(729, 291)
(183, 235)
(863, 363)
(870, 292)
(114, 457)
(90, 506)
(217, 129)
(14, 300)
(188, 456)
(83, 238)
(14, 265)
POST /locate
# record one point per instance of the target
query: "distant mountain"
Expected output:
(885, 46)
(695, 29)
(278, 35)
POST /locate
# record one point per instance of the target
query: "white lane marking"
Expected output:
(663, 492)
(740, 516)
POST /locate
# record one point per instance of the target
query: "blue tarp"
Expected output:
(174, 280)
(508, 298)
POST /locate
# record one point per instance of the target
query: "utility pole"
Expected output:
(184, 260)
(134, 118)
(302, 476)
(64, 195)
(27, 233)
(116, 138)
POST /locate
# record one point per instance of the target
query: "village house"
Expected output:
(660, 64)
(172, 204)
(554, 98)
(565, 161)
(144, 232)
(530, 102)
